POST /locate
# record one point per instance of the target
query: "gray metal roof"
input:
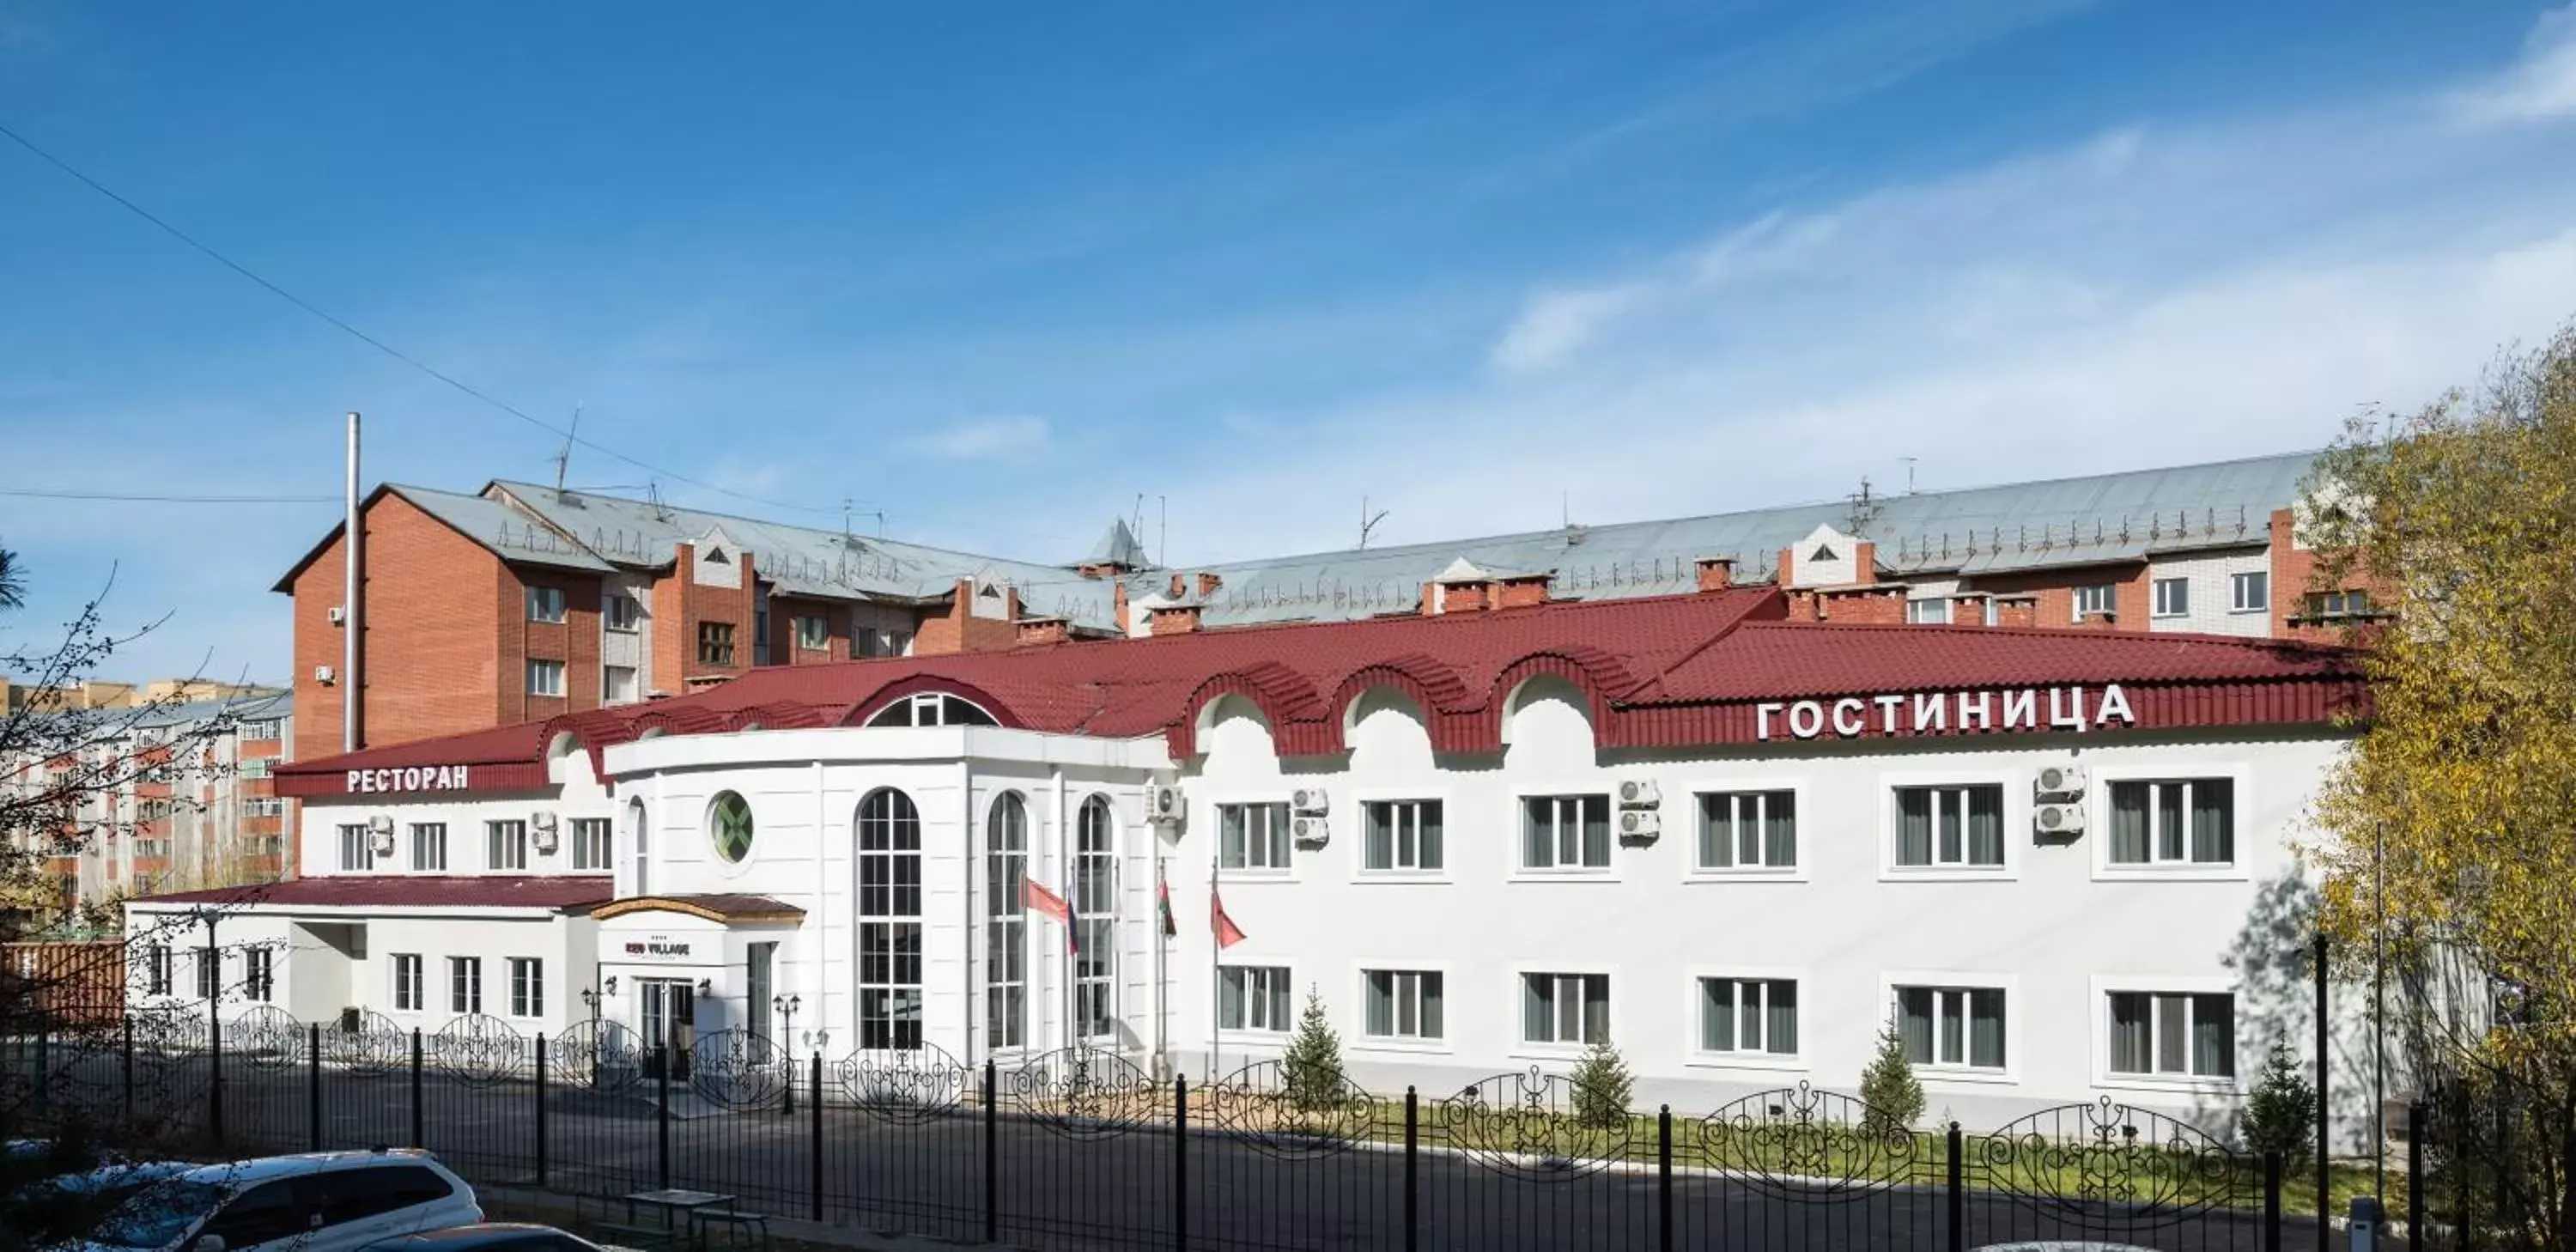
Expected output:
(1118, 546)
(502, 529)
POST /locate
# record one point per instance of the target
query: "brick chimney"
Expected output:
(1208, 583)
(1176, 619)
(1968, 608)
(1524, 591)
(1716, 573)
(1040, 630)
(2016, 610)
(1118, 604)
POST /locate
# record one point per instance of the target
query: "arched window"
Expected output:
(729, 826)
(639, 838)
(1095, 903)
(1006, 923)
(889, 921)
(932, 708)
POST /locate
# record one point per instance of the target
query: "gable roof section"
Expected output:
(496, 527)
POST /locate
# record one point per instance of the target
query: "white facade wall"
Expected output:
(2209, 574)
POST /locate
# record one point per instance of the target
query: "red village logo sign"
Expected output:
(1935, 712)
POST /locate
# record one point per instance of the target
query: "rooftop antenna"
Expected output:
(653, 492)
(563, 458)
(1864, 509)
(1162, 528)
(1909, 474)
(1368, 520)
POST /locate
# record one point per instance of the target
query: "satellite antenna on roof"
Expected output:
(563, 458)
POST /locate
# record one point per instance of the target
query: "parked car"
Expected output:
(492, 1237)
(317, 1202)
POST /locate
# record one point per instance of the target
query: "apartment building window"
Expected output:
(263, 806)
(407, 988)
(1006, 924)
(813, 633)
(546, 678)
(2249, 592)
(259, 975)
(2338, 604)
(622, 612)
(590, 848)
(527, 987)
(465, 984)
(1403, 1004)
(1252, 997)
(1956, 1026)
(2173, 1035)
(357, 847)
(254, 767)
(617, 684)
(1565, 1008)
(545, 604)
(1565, 832)
(2186, 821)
(1748, 830)
(210, 974)
(1748, 1015)
(889, 921)
(1950, 826)
(1401, 835)
(1095, 895)
(1253, 836)
(263, 728)
(156, 970)
(715, 643)
(429, 846)
(505, 845)
(2098, 598)
(2173, 597)
(1928, 611)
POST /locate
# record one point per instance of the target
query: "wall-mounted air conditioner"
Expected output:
(541, 833)
(338, 615)
(1164, 804)
(1640, 823)
(323, 674)
(380, 832)
(1640, 793)
(2058, 819)
(1314, 800)
(2060, 781)
(1311, 831)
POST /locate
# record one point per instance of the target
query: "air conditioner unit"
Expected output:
(1640, 823)
(384, 840)
(1640, 793)
(338, 615)
(323, 674)
(1311, 800)
(2058, 819)
(1311, 831)
(381, 824)
(543, 839)
(2061, 780)
(1164, 804)
(542, 822)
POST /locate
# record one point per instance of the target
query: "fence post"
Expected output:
(2271, 1202)
(2418, 1218)
(1412, 1171)
(1955, 1199)
(313, 1082)
(992, 1159)
(541, 1109)
(1180, 1163)
(662, 1117)
(44, 1047)
(814, 1110)
(214, 1071)
(129, 1070)
(416, 1135)
(1664, 1178)
(2325, 1124)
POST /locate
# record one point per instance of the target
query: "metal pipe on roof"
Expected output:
(352, 612)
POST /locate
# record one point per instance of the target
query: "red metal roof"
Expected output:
(396, 891)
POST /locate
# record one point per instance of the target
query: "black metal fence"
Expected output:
(1081, 1149)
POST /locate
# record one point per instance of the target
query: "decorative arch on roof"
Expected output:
(1300, 720)
(1443, 697)
(774, 716)
(1597, 674)
(878, 704)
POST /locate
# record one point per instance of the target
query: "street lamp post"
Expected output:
(786, 1006)
(212, 979)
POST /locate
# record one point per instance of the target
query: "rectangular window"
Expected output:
(1950, 826)
(2188, 821)
(1928, 611)
(1253, 836)
(617, 684)
(465, 984)
(1748, 1015)
(622, 612)
(2173, 597)
(1565, 1008)
(357, 847)
(1401, 835)
(546, 678)
(813, 633)
(259, 975)
(1252, 997)
(1748, 830)
(2173, 1035)
(255, 767)
(1403, 1004)
(2098, 598)
(263, 806)
(505, 845)
(407, 988)
(2249, 592)
(156, 970)
(545, 604)
(263, 728)
(590, 848)
(715, 643)
(527, 987)
(429, 847)
(210, 973)
(1565, 832)
(1960, 1026)
(2336, 604)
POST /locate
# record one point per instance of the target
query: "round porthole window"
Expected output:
(729, 824)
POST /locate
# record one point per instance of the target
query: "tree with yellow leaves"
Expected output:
(2449, 830)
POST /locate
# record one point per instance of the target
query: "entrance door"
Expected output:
(671, 1021)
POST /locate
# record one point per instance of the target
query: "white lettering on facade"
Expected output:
(1806, 717)
(2021, 709)
(1983, 711)
(1888, 708)
(1762, 718)
(1847, 726)
(410, 778)
(2115, 703)
(2059, 714)
(1930, 712)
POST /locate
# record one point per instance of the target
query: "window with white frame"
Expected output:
(1403, 1004)
(2249, 592)
(156, 970)
(1928, 611)
(1095, 898)
(263, 728)
(429, 846)
(1565, 832)
(545, 604)
(263, 806)
(210, 973)
(2172, 597)
(889, 921)
(1756, 1016)
(527, 987)
(255, 767)
(505, 845)
(1252, 997)
(622, 612)
(813, 632)
(1252, 836)
(2173, 1034)
(1565, 1008)
(465, 984)
(2180, 821)
(357, 847)
(408, 997)
(617, 684)
(1952, 1026)
(1006, 922)
(1400, 835)
(2096, 598)
(590, 846)
(1748, 830)
(545, 678)
(932, 708)
(1950, 827)
(2338, 604)
(259, 975)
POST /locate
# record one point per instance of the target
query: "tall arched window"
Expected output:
(889, 921)
(639, 838)
(1006, 923)
(1095, 902)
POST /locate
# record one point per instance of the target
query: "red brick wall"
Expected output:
(2294, 575)
(2055, 592)
(783, 612)
(574, 641)
(432, 640)
(959, 630)
(1868, 608)
(1522, 593)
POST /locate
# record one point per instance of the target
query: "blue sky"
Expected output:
(996, 271)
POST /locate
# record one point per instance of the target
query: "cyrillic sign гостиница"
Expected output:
(1941, 711)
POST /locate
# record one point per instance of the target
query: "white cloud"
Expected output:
(2540, 86)
(986, 439)
(1557, 324)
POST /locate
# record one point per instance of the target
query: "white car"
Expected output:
(319, 1202)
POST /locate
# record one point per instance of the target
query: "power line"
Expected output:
(379, 344)
(163, 499)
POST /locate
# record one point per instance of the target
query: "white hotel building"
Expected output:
(1734, 844)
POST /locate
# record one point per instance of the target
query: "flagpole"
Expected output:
(1216, 977)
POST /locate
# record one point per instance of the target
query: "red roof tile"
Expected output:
(1796, 660)
(396, 891)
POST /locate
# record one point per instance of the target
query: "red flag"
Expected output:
(1038, 899)
(1227, 933)
(1163, 904)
